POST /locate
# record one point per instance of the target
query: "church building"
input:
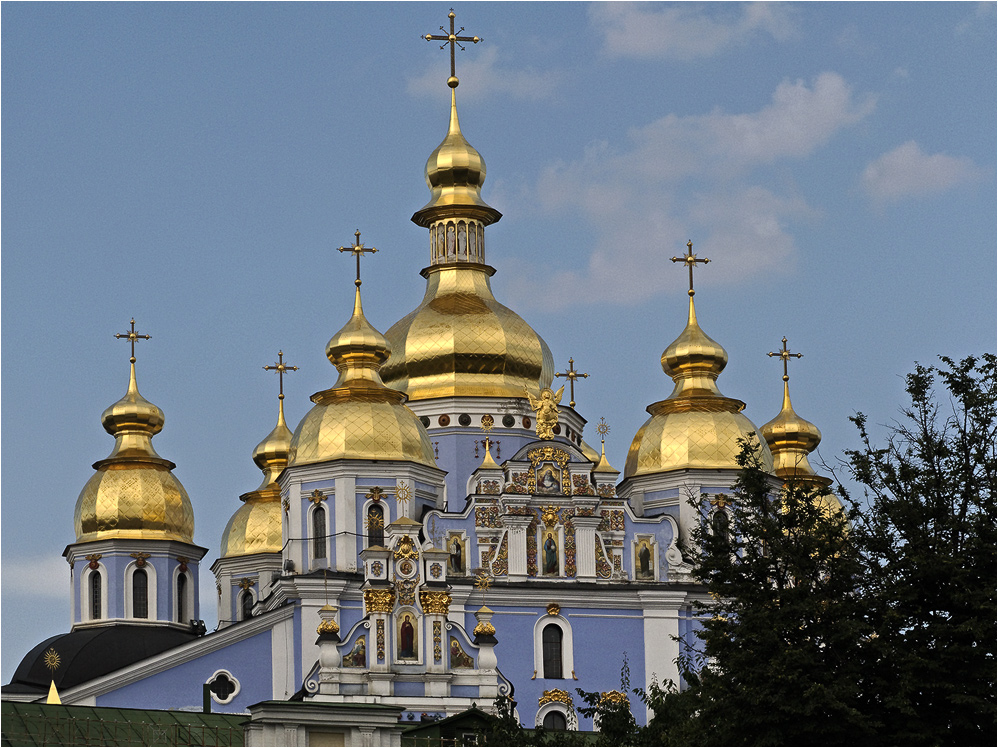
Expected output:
(441, 528)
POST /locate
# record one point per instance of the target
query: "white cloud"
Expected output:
(485, 72)
(686, 31)
(41, 576)
(693, 177)
(909, 172)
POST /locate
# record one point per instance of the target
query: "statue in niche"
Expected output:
(455, 557)
(550, 547)
(643, 561)
(459, 659)
(546, 407)
(407, 639)
(357, 656)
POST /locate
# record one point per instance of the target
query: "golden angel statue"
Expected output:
(546, 407)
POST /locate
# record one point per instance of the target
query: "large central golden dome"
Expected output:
(460, 341)
(133, 494)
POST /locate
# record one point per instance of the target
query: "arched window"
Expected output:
(375, 525)
(246, 603)
(721, 526)
(140, 594)
(552, 640)
(319, 532)
(555, 721)
(182, 598)
(95, 595)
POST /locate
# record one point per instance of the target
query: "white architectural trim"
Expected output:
(571, 718)
(567, 645)
(231, 677)
(239, 600)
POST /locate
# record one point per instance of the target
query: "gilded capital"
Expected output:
(379, 601)
(435, 602)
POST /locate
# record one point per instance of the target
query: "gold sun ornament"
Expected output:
(483, 581)
(602, 428)
(403, 493)
(52, 660)
(488, 423)
(373, 522)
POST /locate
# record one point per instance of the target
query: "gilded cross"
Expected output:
(280, 367)
(453, 40)
(572, 375)
(132, 336)
(316, 496)
(357, 250)
(375, 494)
(690, 260)
(786, 356)
(720, 501)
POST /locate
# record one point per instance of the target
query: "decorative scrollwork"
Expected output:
(406, 549)
(555, 695)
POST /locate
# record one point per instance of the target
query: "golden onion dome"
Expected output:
(460, 341)
(455, 173)
(133, 493)
(254, 528)
(359, 417)
(790, 439)
(256, 525)
(696, 426)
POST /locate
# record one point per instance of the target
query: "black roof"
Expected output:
(89, 653)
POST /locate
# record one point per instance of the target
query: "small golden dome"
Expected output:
(254, 528)
(359, 417)
(455, 173)
(696, 426)
(791, 439)
(256, 525)
(460, 341)
(271, 455)
(133, 494)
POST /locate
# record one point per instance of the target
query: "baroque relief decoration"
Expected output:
(556, 695)
(435, 602)
(379, 601)
(500, 565)
(406, 549)
(603, 568)
(548, 455)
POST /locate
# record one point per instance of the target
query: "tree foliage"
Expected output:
(872, 625)
(928, 539)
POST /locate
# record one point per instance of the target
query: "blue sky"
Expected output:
(196, 165)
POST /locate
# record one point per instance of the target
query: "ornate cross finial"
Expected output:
(786, 356)
(357, 250)
(453, 40)
(690, 260)
(375, 494)
(132, 336)
(720, 501)
(52, 659)
(316, 496)
(572, 375)
(280, 367)
(402, 493)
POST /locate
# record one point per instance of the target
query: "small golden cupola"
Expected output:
(696, 426)
(460, 341)
(256, 525)
(133, 493)
(791, 439)
(359, 417)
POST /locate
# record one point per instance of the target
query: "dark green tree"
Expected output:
(784, 637)
(928, 539)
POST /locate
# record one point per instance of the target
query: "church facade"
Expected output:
(438, 530)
